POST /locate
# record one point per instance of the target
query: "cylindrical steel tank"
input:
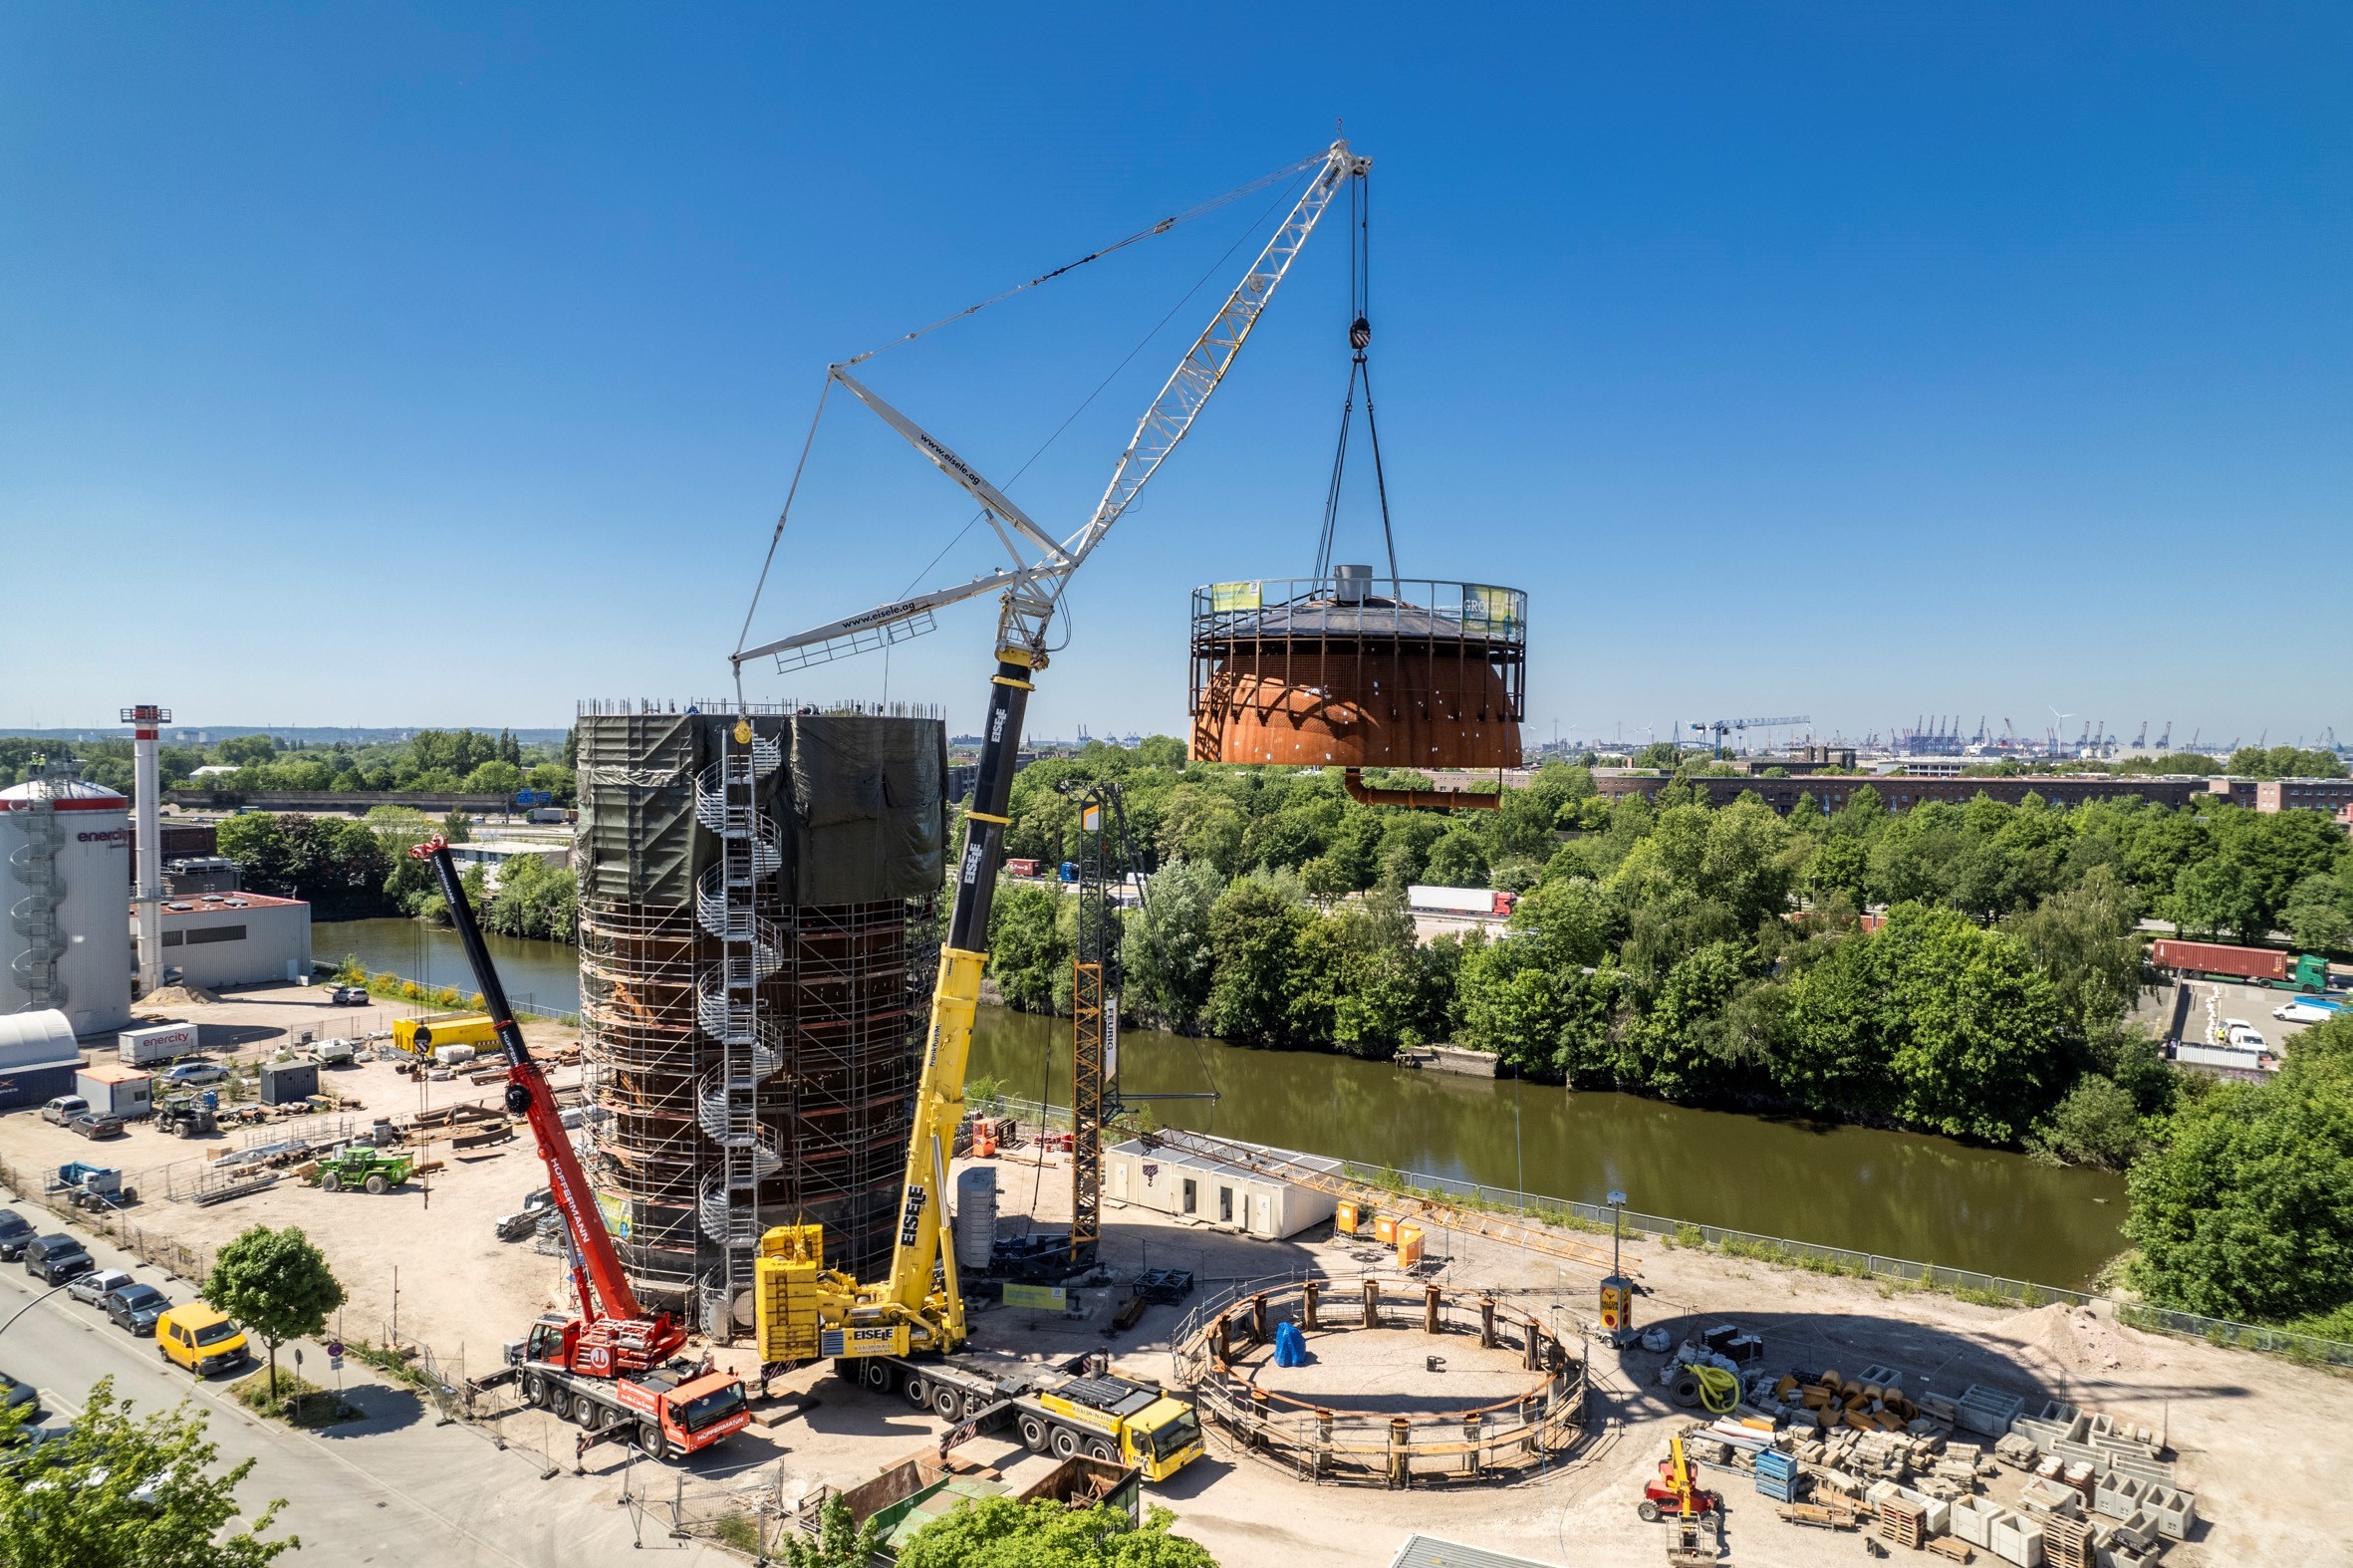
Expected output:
(65, 892)
(1356, 672)
(846, 826)
(976, 1215)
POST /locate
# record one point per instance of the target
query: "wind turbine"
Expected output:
(2058, 728)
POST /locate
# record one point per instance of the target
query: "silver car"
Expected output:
(93, 1286)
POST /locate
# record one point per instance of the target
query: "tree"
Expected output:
(1458, 859)
(1028, 954)
(277, 1285)
(494, 778)
(842, 1542)
(243, 751)
(2088, 943)
(1165, 951)
(2096, 1123)
(998, 1532)
(71, 1501)
(1974, 1054)
(2246, 1209)
(1254, 932)
(2319, 912)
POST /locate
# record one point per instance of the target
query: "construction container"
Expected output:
(845, 841)
(1348, 1219)
(114, 1090)
(1408, 1245)
(288, 1083)
(1209, 1192)
(1357, 672)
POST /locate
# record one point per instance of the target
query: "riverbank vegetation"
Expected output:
(1964, 969)
(358, 868)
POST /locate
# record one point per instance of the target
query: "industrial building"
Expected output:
(237, 939)
(756, 961)
(1194, 1186)
(65, 861)
(38, 1058)
(492, 855)
(1901, 792)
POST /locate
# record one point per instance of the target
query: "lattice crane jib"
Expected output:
(919, 1307)
(1095, 1004)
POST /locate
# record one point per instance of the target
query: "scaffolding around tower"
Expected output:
(756, 939)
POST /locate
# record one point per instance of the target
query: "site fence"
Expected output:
(1818, 1258)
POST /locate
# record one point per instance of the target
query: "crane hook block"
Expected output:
(1359, 335)
(518, 1100)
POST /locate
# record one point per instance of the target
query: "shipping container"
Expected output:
(2193, 1055)
(160, 1042)
(2213, 958)
(1021, 867)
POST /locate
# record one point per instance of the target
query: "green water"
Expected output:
(1897, 1194)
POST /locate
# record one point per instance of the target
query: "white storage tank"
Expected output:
(65, 888)
(976, 1215)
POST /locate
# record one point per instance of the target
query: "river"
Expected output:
(1903, 1195)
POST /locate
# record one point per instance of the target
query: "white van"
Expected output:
(64, 1109)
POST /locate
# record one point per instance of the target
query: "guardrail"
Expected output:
(1967, 1284)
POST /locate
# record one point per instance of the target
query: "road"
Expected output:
(394, 1488)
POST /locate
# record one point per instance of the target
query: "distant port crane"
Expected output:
(1720, 727)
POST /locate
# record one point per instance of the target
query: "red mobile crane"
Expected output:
(612, 1367)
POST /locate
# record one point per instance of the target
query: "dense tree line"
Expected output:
(432, 761)
(358, 868)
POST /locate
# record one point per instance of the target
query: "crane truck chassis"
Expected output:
(1065, 1412)
(678, 1409)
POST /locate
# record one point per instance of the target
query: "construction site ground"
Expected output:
(2253, 1434)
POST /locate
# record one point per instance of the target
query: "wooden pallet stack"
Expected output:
(2067, 1543)
(1902, 1523)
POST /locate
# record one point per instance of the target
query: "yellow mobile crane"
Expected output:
(803, 1309)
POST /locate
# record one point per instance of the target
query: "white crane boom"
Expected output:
(1032, 589)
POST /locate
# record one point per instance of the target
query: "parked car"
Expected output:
(91, 1125)
(64, 1109)
(93, 1286)
(14, 1234)
(55, 1260)
(201, 1337)
(20, 1397)
(191, 1075)
(349, 996)
(135, 1307)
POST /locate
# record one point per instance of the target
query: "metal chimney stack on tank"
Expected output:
(146, 790)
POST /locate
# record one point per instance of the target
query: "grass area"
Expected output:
(739, 1530)
(294, 1400)
(394, 1364)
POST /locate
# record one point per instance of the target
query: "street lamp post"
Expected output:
(30, 1305)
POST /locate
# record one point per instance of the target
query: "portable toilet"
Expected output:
(288, 1083)
(115, 1090)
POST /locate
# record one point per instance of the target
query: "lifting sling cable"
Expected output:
(1360, 338)
(776, 536)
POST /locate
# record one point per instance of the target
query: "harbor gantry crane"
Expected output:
(803, 1309)
(1720, 727)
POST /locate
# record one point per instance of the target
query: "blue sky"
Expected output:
(442, 365)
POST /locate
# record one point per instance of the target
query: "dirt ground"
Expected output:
(2251, 1434)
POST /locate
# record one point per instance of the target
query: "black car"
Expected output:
(135, 1308)
(91, 1125)
(55, 1260)
(20, 1398)
(14, 1234)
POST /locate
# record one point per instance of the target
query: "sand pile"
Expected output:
(2076, 1342)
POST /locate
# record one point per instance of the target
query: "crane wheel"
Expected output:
(378, 1185)
(652, 1442)
(1065, 1443)
(534, 1389)
(877, 1373)
(1099, 1449)
(1649, 1511)
(948, 1401)
(917, 1391)
(1034, 1433)
(329, 1183)
(583, 1411)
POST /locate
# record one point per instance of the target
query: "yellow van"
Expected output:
(201, 1339)
(420, 1036)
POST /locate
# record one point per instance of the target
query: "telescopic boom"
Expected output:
(597, 1278)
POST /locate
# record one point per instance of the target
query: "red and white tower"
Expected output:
(149, 894)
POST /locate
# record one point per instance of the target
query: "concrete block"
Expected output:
(2118, 1495)
(2016, 1539)
(2175, 1510)
(2049, 1496)
(1938, 1510)
(1973, 1520)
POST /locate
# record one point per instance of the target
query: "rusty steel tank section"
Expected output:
(1355, 671)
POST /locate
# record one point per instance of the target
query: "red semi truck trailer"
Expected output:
(2262, 965)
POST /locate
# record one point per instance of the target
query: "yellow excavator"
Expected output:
(804, 1310)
